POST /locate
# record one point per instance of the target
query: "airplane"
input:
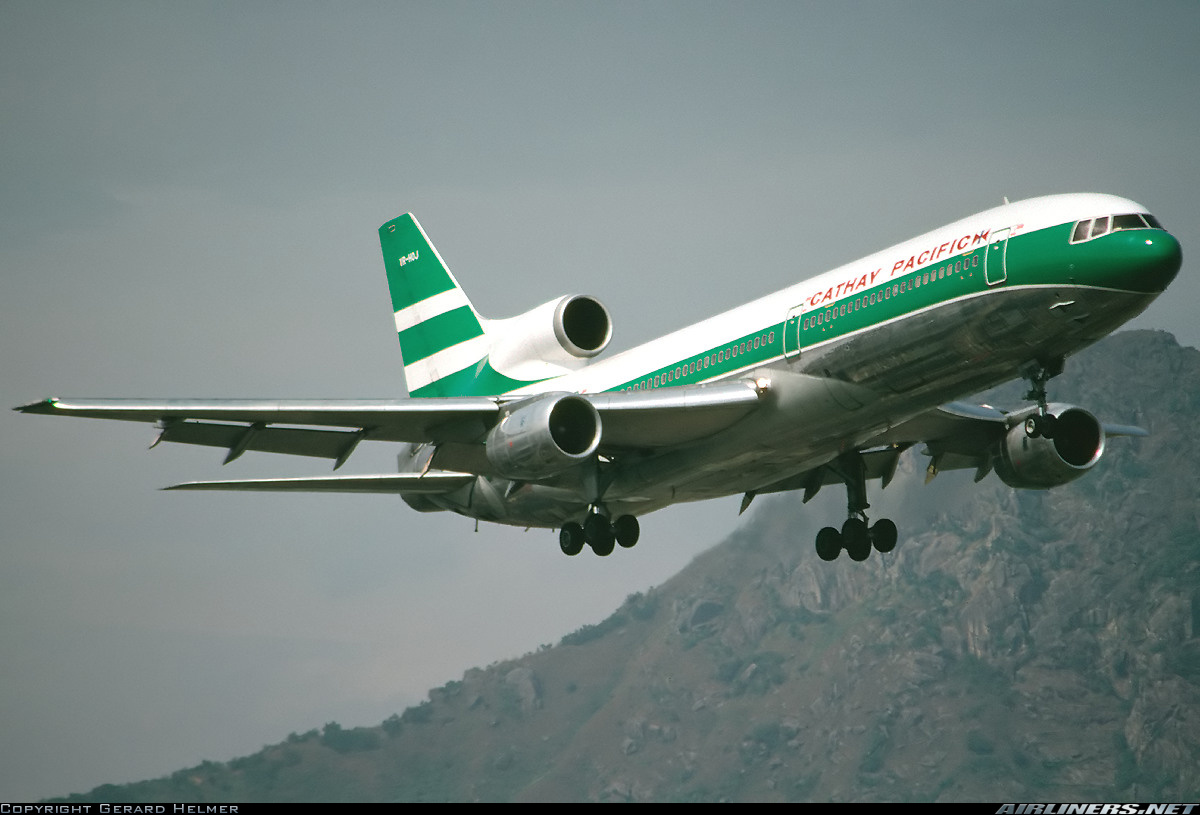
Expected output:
(826, 382)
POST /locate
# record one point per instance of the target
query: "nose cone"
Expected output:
(1160, 259)
(1142, 260)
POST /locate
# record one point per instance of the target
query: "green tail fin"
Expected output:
(441, 335)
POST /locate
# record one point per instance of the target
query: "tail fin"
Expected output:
(441, 334)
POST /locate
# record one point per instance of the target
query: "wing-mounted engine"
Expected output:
(1030, 458)
(550, 340)
(544, 436)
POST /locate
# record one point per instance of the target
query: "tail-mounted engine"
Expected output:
(544, 436)
(561, 334)
(1039, 455)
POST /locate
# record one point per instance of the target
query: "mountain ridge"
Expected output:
(1016, 645)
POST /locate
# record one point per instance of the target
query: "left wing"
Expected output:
(432, 483)
(250, 424)
(333, 428)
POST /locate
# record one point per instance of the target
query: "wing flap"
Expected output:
(237, 438)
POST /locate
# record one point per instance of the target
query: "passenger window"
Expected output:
(771, 337)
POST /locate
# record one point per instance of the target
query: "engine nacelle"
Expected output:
(1039, 463)
(562, 333)
(544, 436)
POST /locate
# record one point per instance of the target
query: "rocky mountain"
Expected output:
(1015, 646)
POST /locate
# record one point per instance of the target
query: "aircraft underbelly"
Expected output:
(832, 398)
(900, 369)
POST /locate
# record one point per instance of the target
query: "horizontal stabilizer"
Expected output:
(432, 483)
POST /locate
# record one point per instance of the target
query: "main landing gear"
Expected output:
(598, 533)
(856, 536)
(1039, 372)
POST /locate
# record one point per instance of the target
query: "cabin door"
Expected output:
(994, 269)
(792, 328)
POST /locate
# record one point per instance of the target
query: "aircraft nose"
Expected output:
(1160, 260)
(1138, 260)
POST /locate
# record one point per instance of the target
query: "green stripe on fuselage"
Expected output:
(479, 379)
(1137, 261)
(439, 333)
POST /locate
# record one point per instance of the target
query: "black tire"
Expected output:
(627, 530)
(884, 535)
(856, 539)
(570, 538)
(1042, 425)
(829, 544)
(604, 547)
(598, 533)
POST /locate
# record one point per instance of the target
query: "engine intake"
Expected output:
(582, 325)
(1038, 462)
(543, 437)
(549, 340)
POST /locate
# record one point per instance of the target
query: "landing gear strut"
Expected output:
(1038, 373)
(597, 532)
(857, 537)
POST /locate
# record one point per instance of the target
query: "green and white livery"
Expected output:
(824, 383)
(450, 350)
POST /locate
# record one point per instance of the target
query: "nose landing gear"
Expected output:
(1038, 373)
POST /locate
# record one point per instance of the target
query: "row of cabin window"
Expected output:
(700, 364)
(916, 282)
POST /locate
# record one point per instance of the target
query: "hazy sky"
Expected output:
(189, 203)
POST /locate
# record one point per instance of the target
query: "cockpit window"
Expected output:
(1128, 222)
(1094, 228)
